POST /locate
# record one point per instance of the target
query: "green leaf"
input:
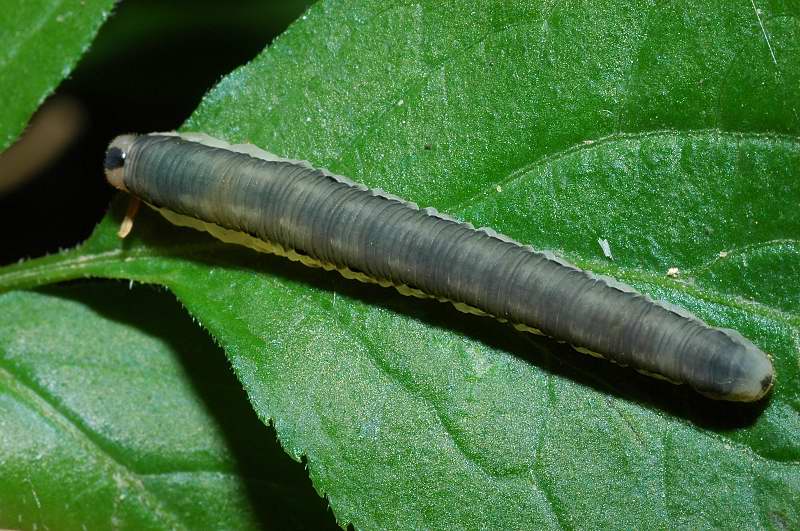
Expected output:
(671, 130)
(127, 415)
(40, 42)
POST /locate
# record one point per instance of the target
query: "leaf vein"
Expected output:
(592, 144)
(48, 408)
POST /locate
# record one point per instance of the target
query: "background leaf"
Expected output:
(671, 130)
(135, 77)
(141, 427)
(40, 42)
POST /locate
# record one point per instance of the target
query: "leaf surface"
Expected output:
(40, 42)
(671, 130)
(128, 416)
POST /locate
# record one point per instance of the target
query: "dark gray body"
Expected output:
(336, 222)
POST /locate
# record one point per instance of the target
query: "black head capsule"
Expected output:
(115, 158)
(114, 162)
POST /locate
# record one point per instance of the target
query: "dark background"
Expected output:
(148, 68)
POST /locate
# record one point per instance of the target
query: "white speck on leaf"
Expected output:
(35, 497)
(673, 272)
(606, 247)
(764, 31)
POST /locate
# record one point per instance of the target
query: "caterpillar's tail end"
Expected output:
(765, 375)
(114, 162)
(757, 375)
(751, 378)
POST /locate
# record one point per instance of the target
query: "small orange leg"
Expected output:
(127, 222)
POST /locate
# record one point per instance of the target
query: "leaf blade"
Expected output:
(137, 428)
(413, 415)
(50, 34)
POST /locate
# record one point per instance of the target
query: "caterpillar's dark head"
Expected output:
(116, 156)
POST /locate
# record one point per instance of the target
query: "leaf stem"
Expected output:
(67, 265)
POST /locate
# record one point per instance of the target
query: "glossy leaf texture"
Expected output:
(671, 130)
(40, 43)
(126, 415)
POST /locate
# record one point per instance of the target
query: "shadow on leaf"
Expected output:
(548, 355)
(279, 490)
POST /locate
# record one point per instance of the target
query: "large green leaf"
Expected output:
(120, 415)
(669, 129)
(40, 42)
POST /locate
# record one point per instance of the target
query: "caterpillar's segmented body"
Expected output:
(244, 195)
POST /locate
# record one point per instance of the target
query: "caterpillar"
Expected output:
(244, 195)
